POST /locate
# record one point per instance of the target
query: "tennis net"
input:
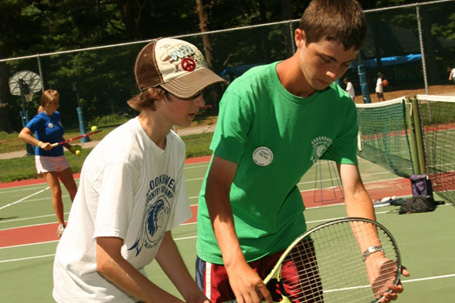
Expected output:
(384, 137)
(437, 116)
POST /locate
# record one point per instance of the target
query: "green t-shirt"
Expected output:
(274, 137)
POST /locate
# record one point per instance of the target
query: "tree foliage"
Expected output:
(46, 26)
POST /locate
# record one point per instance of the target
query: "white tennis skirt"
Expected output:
(48, 164)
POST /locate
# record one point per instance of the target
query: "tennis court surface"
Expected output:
(426, 241)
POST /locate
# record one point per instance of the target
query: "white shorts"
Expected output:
(48, 164)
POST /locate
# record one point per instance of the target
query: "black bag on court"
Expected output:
(417, 205)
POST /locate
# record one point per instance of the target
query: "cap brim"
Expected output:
(189, 85)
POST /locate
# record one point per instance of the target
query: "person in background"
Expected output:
(349, 88)
(50, 161)
(380, 87)
(451, 73)
(275, 122)
(132, 189)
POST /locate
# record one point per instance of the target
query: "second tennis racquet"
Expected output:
(338, 261)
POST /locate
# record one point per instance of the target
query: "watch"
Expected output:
(371, 250)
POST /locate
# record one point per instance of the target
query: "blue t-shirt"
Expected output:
(47, 129)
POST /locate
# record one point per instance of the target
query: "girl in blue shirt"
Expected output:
(51, 162)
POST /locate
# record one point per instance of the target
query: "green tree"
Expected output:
(104, 77)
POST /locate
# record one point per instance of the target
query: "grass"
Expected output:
(24, 168)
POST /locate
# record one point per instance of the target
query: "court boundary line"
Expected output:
(23, 199)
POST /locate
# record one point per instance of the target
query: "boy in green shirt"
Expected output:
(275, 122)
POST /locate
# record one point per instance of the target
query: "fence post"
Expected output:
(363, 81)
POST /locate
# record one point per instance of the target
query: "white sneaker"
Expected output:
(60, 230)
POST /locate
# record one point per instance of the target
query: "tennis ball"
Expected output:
(78, 152)
(94, 128)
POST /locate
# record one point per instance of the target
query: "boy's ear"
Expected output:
(299, 37)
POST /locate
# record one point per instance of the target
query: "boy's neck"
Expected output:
(292, 78)
(155, 130)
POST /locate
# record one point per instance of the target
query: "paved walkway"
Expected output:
(182, 132)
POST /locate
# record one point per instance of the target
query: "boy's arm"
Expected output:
(111, 265)
(358, 204)
(245, 282)
(172, 264)
(358, 201)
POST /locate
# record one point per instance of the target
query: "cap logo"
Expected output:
(188, 64)
(183, 51)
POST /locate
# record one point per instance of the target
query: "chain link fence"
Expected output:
(412, 45)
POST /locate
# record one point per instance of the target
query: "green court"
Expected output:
(426, 241)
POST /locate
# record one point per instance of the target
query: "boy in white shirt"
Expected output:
(132, 190)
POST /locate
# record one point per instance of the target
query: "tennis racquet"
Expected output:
(326, 265)
(75, 138)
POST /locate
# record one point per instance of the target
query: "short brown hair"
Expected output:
(146, 99)
(335, 20)
(49, 96)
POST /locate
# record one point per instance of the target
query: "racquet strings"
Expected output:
(327, 266)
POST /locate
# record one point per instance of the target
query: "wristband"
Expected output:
(371, 250)
(39, 143)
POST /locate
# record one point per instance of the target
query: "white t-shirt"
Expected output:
(379, 88)
(350, 90)
(131, 189)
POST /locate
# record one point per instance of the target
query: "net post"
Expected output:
(419, 135)
(412, 136)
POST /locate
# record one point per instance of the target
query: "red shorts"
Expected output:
(213, 280)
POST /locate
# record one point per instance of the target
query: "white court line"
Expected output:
(43, 199)
(429, 278)
(363, 176)
(29, 244)
(196, 197)
(406, 281)
(52, 255)
(187, 238)
(21, 188)
(193, 237)
(23, 199)
(196, 165)
(176, 239)
(194, 179)
(28, 258)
